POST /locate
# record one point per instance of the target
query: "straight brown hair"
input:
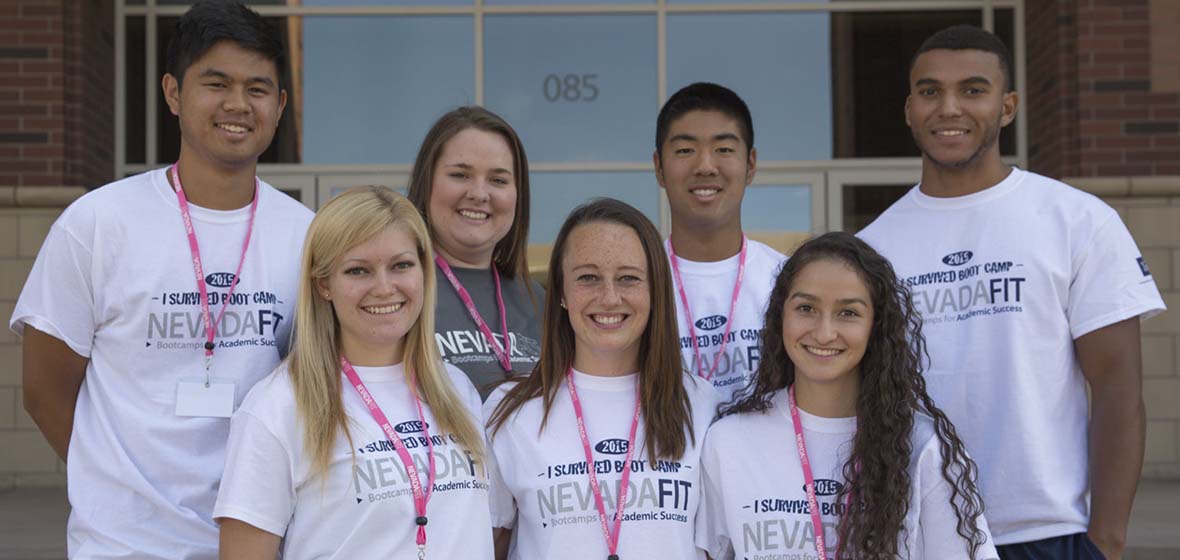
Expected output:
(664, 403)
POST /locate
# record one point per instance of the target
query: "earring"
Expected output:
(563, 304)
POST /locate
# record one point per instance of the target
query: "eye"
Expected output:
(355, 271)
(804, 308)
(259, 91)
(849, 313)
(974, 91)
(587, 278)
(630, 279)
(457, 175)
(682, 151)
(215, 85)
(927, 92)
(404, 265)
(501, 181)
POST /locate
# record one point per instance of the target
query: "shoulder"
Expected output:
(106, 204)
(273, 396)
(464, 389)
(887, 219)
(282, 207)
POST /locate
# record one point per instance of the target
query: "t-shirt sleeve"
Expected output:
(58, 297)
(500, 500)
(711, 534)
(1111, 281)
(937, 521)
(258, 485)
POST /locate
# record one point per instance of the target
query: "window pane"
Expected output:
(555, 194)
(779, 63)
(863, 203)
(576, 88)
(134, 109)
(375, 85)
(775, 208)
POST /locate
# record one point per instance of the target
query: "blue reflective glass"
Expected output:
(388, 2)
(777, 208)
(555, 194)
(556, 2)
(373, 86)
(576, 88)
(779, 63)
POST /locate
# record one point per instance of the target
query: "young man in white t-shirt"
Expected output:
(1029, 290)
(704, 160)
(120, 371)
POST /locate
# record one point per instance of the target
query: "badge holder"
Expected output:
(205, 397)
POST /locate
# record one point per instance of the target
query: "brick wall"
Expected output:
(56, 92)
(1051, 105)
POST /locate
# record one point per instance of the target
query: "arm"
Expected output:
(502, 537)
(243, 541)
(52, 375)
(1111, 361)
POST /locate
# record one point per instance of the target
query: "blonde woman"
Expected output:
(362, 444)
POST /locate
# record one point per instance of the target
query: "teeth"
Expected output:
(473, 214)
(825, 352)
(384, 310)
(951, 132)
(232, 127)
(705, 192)
(608, 319)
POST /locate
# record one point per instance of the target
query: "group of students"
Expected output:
(702, 395)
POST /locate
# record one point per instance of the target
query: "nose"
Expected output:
(825, 330)
(706, 163)
(610, 294)
(479, 190)
(235, 99)
(948, 106)
(385, 285)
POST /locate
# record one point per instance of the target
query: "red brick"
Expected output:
(1100, 72)
(33, 11)
(20, 82)
(1105, 128)
(1100, 43)
(22, 109)
(1161, 141)
(39, 67)
(1089, 99)
(1167, 169)
(1116, 57)
(47, 124)
(24, 166)
(1152, 98)
(9, 152)
(1140, 156)
(1122, 170)
(51, 37)
(1136, 70)
(1165, 112)
(7, 180)
(54, 180)
(1141, 141)
(1137, 43)
(43, 151)
(1102, 156)
(1116, 27)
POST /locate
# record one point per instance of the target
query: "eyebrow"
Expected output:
(842, 301)
(213, 73)
(718, 136)
(400, 255)
(468, 167)
(965, 81)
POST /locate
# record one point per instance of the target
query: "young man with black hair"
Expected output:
(704, 160)
(157, 301)
(1029, 290)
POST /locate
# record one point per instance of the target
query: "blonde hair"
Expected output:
(344, 222)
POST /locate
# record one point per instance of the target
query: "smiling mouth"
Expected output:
(822, 352)
(384, 309)
(704, 192)
(235, 128)
(608, 320)
(950, 133)
(474, 214)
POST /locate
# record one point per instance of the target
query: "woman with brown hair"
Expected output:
(471, 184)
(599, 446)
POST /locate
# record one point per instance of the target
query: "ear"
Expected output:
(1011, 103)
(751, 165)
(321, 289)
(282, 105)
(171, 88)
(906, 111)
(655, 161)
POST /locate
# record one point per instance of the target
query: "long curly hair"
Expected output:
(892, 390)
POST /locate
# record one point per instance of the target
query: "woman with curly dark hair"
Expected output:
(836, 450)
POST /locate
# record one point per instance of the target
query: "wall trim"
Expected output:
(39, 197)
(1136, 186)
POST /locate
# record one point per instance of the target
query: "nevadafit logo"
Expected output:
(413, 426)
(221, 279)
(711, 322)
(825, 487)
(1143, 267)
(959, 258)
(612, 446)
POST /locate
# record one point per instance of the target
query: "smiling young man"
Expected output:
(704, 160)
(1029, 290)
(157, 301)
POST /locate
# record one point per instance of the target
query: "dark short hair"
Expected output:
(969, 37)
(209, 22)
(704, 96)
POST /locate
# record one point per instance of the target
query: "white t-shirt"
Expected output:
(709, 286)
(755, 503)
(1006, 279)
(363, 507)
(114, 280)
(548, 501)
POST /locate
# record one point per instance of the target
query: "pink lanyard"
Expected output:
(421, 497)
(692, 333)
(817, 525)
(210, 324)
(501, 352)
(612, 540)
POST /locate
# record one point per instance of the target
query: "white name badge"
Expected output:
(194, 398)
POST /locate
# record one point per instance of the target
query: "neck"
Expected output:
(835, 399)
(702, 244)
(464, 259)
(366, 356)
(947, 182)
(213, 187)
(615, 364)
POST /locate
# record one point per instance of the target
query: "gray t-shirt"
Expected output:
(463, 345)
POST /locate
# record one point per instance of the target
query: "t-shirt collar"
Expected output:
(1008, 184)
